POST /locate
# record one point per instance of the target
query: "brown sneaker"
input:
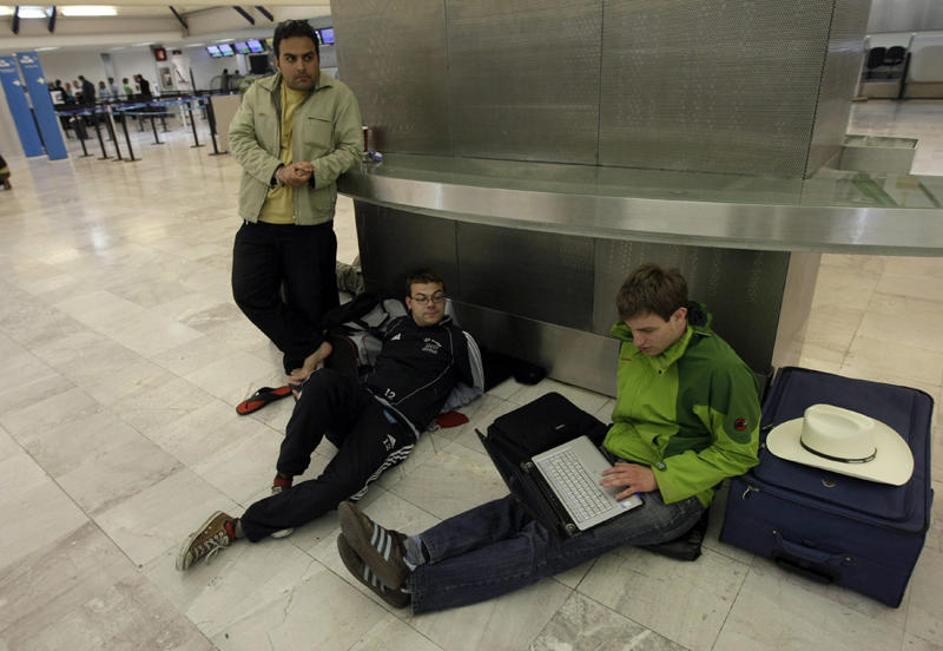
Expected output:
(361, 572)
(382, 549)
(207, 541)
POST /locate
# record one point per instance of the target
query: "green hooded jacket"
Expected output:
(691, 413)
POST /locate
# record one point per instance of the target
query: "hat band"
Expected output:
(839, 459)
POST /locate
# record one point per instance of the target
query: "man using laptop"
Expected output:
(374, 422)
(687, 416)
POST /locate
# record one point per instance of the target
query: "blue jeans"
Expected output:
(497, 547)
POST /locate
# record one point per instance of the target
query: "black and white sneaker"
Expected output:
(355, 565)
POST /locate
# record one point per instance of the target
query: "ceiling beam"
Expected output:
(265, 12)
(245, 14)
(181, 20)
(51, 25)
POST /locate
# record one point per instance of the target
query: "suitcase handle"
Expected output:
(815, 564)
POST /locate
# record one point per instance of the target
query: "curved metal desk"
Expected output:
(835, 211)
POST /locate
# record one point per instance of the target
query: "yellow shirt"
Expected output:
(279, 204)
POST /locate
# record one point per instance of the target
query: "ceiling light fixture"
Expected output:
(6, 11)
(48, 48)
(33, 12)
(88, 10)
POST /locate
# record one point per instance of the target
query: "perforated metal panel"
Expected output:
(742, 289)
(540, 276)
(394, 243)
(839, 80)
(711, 86)
(524, 78)
(392, 53)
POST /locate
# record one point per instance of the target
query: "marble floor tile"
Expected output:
(99, 308)
(914, 643)
(244, 466)
(231, 378)
(159, 402)
(462, 479)
(922, 287)
(772, 612)
(71, 443)
(391, 634)
(149, 335)
(886, 313)
(581, 623)
(34, 508)
(925, 615)
(8, 445)
(873, 358)
(842, 287)
(320, 612)
(835, 328)
(81, 593)
(25, 380)
(161, 516)
(507, 623)
(50, 412)
(199, 434)
(684, 602)
(244, 579)
(116, 473)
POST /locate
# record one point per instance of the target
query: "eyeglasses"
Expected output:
(422, 299)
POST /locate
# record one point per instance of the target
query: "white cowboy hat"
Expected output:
(845, 442)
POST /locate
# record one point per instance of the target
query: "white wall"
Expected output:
(132, 61)
(205, 67)
(67, 64)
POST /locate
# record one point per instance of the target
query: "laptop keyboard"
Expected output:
(580, 492)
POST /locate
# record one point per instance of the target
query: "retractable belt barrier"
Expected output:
(152, 109)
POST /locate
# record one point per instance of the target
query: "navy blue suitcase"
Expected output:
(832, 528)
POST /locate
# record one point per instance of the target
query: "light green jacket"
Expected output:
(692, 413)
(327, 132)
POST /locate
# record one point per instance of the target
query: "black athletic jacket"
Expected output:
(419, 366)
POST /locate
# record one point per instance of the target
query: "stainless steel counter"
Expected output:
(834, 211)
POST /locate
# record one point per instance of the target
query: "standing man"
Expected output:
(144, 87)
(686, 417)
(88, 91)
(374, 422)
(294, 134)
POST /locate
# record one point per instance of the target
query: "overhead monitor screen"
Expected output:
(241, 47)
(225, 49)
(327, 36)
(255, 46)
(213, 51)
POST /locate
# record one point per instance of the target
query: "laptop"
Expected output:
(566, 479)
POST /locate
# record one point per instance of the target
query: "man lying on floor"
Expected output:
(374, 422)
(687, 416)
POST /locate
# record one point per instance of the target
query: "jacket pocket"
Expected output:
(318, 134)
(266, 131)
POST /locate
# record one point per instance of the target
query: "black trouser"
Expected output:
(267, 257)
(368, 438)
